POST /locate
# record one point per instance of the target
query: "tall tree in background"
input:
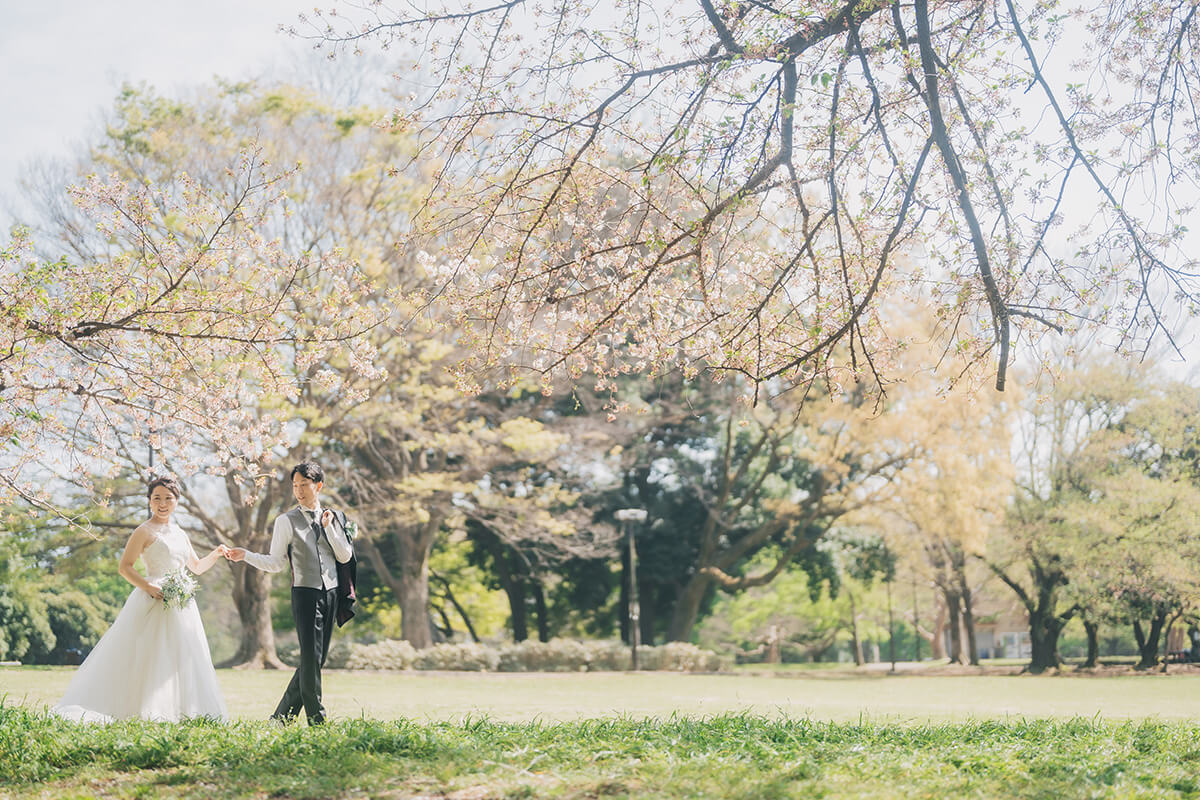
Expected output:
(340, 206)
(726, 485)
(157, 324)
(952, 497)
(386, 415)
(422, 460)
(1039, 551)
(1134, 505)
(786, 167)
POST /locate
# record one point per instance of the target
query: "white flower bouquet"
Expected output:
(178, 587)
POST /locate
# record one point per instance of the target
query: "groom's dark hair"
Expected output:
(311, 470)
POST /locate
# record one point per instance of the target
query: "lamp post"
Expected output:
(916, 622)
(627, 516)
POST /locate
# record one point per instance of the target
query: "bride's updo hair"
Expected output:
(167, 483)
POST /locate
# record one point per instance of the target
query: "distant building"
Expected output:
(1001, 628)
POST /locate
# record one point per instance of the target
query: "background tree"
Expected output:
(867, 568)
(799, 613)
(340, 204)
(56, 597)
(722, 482)
(421, 460)
(153, 332)
(950, 499)
(1039, 549)
(1134, 505)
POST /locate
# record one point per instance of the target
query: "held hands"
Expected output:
(235, 553)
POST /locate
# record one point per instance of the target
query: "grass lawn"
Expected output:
(839, 696)
(841, 734)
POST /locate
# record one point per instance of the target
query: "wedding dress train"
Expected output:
(154, 662)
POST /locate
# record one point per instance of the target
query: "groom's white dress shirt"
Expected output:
(289, 531)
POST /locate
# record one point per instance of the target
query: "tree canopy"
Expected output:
(739, 186)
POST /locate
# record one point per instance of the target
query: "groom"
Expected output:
(307, 538)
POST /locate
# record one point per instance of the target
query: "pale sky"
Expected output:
(62, 61)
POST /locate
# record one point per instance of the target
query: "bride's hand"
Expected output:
(155, 592)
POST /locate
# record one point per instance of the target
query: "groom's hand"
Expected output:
(327, 518)
(235, 554)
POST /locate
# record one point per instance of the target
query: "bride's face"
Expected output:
(162, 503)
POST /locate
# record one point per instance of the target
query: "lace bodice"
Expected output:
(169, 551)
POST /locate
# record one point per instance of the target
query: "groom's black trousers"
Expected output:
(315, 612)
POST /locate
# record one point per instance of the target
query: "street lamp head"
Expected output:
(631, 514)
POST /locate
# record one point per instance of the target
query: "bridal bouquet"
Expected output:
(178, 588)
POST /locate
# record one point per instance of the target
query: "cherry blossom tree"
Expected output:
(173, 325)
(741, 186)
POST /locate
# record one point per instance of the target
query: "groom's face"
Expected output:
(305, 490)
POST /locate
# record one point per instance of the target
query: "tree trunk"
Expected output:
(453, 601)
(512, 582)
(539, 605)
(953, 623)
(1168, 639)
(518, 613)
(1041, 604)
(252, 598)
(774, 655)
(409, 582)
(1093, 643)
(858, 651)
(968, 617)
(647, 612)
(414, 589)
(933, 634)
(687, 608)
(1044, 628)
(937, 634)
(1148, 642)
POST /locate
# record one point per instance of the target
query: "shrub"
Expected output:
(609, 656)
(24, 624)
(462, 657)
(557, 655)
(388, 654)
(679, 657)
(77, 623)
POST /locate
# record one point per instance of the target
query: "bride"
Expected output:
(153, 662)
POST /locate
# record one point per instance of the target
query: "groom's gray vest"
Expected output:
(313, 564)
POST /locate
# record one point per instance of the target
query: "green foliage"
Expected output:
(24, 626)
(802, 612)
(471, 587)
(76, 622)
(737, 756)
(58, 590)
(40, 622)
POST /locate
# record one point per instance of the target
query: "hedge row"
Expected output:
(557, 655)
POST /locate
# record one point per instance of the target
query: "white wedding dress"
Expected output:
(153, 663)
